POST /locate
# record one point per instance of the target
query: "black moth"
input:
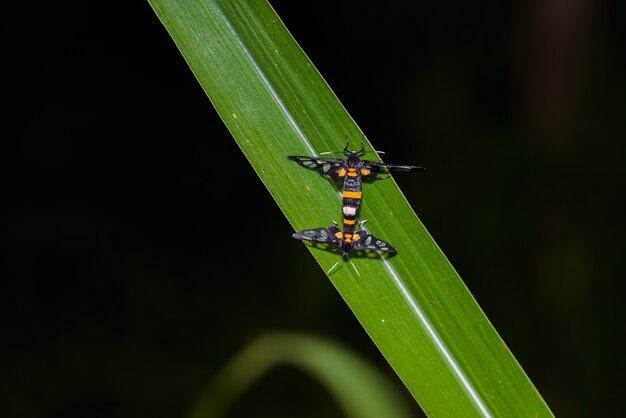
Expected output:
(351, 166)
(358, 240)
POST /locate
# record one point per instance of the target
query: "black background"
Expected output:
(112, 297)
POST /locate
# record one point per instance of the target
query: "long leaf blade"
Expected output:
(413, 305)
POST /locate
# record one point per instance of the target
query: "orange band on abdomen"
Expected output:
(352, 195)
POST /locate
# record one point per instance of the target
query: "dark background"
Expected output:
(112, 301)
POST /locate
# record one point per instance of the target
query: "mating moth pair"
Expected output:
(350, 170)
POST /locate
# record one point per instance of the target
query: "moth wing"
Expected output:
(333, 229)
(332, 167)
(371, 169)
(325, 235)
(368, 241)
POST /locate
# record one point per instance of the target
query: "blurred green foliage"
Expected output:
(359, 390)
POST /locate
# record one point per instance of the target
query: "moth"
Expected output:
(351, 170)
(357, 240)
(347, 240)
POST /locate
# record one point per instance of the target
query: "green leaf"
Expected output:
(414, 306)
(359, 390)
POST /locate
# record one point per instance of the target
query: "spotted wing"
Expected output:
(332, 167)
(367, 241)
(325, 235)
(372, 169)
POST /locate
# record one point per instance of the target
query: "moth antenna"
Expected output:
(334, 265)
(362, 150)
(345, 149)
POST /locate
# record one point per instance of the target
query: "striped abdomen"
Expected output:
(350, 205)
(351, 194)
